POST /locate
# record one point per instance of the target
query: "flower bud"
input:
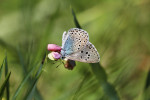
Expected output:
(53, 47)
(54, 56)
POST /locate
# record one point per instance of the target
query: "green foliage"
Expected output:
(26, 79)
(1, 68)
(4, 85)
(6, 81)
(100, 73)
(147, 88)
(7, 75)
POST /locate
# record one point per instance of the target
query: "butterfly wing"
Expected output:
(88, 55)
(75, 40)
(63, 37)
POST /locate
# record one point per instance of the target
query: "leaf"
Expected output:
(4, 85)
(28, 77)
(87, 74)
(6, 72)
(100, 74)
(75, 19)
(31, 92)
(24, 68)
(147, 87)
(33, 88)
(1, 68)
(23, 83)
(147, 80)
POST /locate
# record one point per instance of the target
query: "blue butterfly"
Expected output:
(76, 46)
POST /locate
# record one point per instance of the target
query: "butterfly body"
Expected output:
(76, 46)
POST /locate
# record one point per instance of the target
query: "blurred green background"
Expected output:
(120, 30)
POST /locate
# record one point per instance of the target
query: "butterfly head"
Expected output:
(63, 54)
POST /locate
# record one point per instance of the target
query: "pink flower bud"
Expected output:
(53, 47)
(54, 56)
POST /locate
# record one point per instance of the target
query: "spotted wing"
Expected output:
(88, 55)
(75, 40)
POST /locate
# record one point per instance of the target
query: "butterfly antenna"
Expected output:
(53, 62)
(58, 65)
(63, 63)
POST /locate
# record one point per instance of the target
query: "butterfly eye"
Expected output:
(63, 57)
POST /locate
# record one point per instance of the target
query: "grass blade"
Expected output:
(24, 68)
(101, 76)
(75, 19)
(148, 80)
(100, 73)
(4, 85)
(6, 72)
(80, 86)
(23, 83)
(31, 92)
(147, 87)
(33, 88)
(1, 68)
(28, 77)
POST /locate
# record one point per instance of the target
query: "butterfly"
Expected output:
(76, 46)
